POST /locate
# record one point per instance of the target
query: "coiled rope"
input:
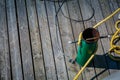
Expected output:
(113, 48)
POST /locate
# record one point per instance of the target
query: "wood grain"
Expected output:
(24, 40)
(87, 12)
(34, 46)
(5, 72)
(14, 41)
(103, 44)
(46, 41)
(110, 28)
(67, 35)
(35, 40)
(77, 27)
(56, 44)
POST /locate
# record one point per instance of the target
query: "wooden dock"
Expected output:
(34, 40)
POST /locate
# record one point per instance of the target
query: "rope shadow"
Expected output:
(105, 62)
(98, 74)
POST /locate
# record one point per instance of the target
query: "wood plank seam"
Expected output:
(40, 36)
(61, 41)
(107, 33)
(50, 37)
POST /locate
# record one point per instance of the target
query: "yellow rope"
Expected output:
(99, 23)
(79, 39)
(113, 48)
(76, 77)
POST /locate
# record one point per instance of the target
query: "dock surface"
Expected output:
(34, 36)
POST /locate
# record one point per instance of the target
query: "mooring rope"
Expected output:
(113, 48)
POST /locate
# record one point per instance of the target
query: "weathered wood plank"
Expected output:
(5, 73)
(46, 41)
(24, 41)
(58, 55)
(87, 12)
(118, 2)
(77, 27)
(113, 6)
(103, 44)
(14, 41)
(74, 12)
(110, 28)
(35, 41)
(67, 35)
(43, 56)
(106, 11)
